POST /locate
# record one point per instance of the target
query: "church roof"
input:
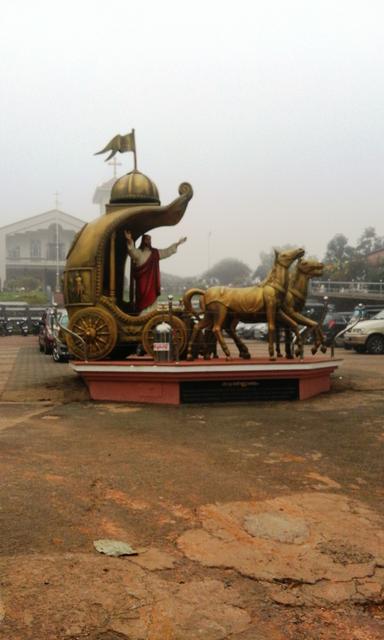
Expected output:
(42, 220)
(103, 188)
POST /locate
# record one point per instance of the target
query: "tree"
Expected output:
(266, 263)
(369, 241)
(349, 263)
(338, 250)
(227, 271)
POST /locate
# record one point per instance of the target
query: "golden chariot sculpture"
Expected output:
(102, 323)
(99, 316)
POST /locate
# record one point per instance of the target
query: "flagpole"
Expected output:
(134, 150)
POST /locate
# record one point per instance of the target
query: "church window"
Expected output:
(55, 251)
(14, 252)
(35, 249)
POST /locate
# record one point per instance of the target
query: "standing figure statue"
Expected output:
(79, 288)
(145, 270)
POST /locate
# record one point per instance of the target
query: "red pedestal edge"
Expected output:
(146, 381)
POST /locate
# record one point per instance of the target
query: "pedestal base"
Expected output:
(201, 381)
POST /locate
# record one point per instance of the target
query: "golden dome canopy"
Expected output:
(134, 188)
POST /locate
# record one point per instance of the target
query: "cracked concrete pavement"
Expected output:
(251, 522)
(299, 546)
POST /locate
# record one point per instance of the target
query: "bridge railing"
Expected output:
(351, 288)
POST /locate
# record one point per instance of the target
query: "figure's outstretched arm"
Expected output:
(169, 251)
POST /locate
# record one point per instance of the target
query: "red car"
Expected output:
(46, 329)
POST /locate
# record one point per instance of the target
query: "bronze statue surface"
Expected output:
(224, 307)
(94, 281)
(295, 301)
(100, 316)
(119, 143)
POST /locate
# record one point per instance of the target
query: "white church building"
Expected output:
(37, 247)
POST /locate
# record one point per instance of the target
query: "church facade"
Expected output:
(102, 194)
(37, 247)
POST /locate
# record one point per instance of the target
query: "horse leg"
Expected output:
(312, 327)
(217, 325)
(288, 340)
(284, 315)
(278, 351)
(319, 340)
(214, 345)
(196, 332)
(231, 330)
(210, 344)
(323, 347)
(271, 338)
(270, 309)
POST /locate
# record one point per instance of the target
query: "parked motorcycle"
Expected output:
(23, 327)
(6, 328)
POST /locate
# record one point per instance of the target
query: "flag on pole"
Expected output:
(121, 144)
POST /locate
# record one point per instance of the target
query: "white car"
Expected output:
(367, 335)
(252, 330)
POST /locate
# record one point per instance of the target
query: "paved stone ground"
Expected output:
(250, 522)
(9, 349)
(29, 375)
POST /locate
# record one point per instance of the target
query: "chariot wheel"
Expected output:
(179, 333)
(97, 328)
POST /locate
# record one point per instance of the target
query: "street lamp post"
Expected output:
(57, 258)
(57, 286)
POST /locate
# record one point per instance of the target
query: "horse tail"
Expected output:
(187, 297)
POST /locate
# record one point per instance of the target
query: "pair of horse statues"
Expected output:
(278, 300)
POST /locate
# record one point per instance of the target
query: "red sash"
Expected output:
(147, 281)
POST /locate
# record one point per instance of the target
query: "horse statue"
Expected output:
(224, 307)
(294, 303)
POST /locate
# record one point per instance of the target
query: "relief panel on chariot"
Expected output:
(79, 287)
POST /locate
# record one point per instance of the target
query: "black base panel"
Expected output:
(239, 390)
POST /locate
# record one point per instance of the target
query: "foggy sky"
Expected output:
(272, 110)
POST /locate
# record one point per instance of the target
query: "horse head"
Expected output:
(287, 256)
(311, 268)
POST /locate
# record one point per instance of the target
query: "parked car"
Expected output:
(367, 335)
(59, 346)
(48, 323)
(260, 331)
(334, 322)
(362, 312)
(252, 330)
